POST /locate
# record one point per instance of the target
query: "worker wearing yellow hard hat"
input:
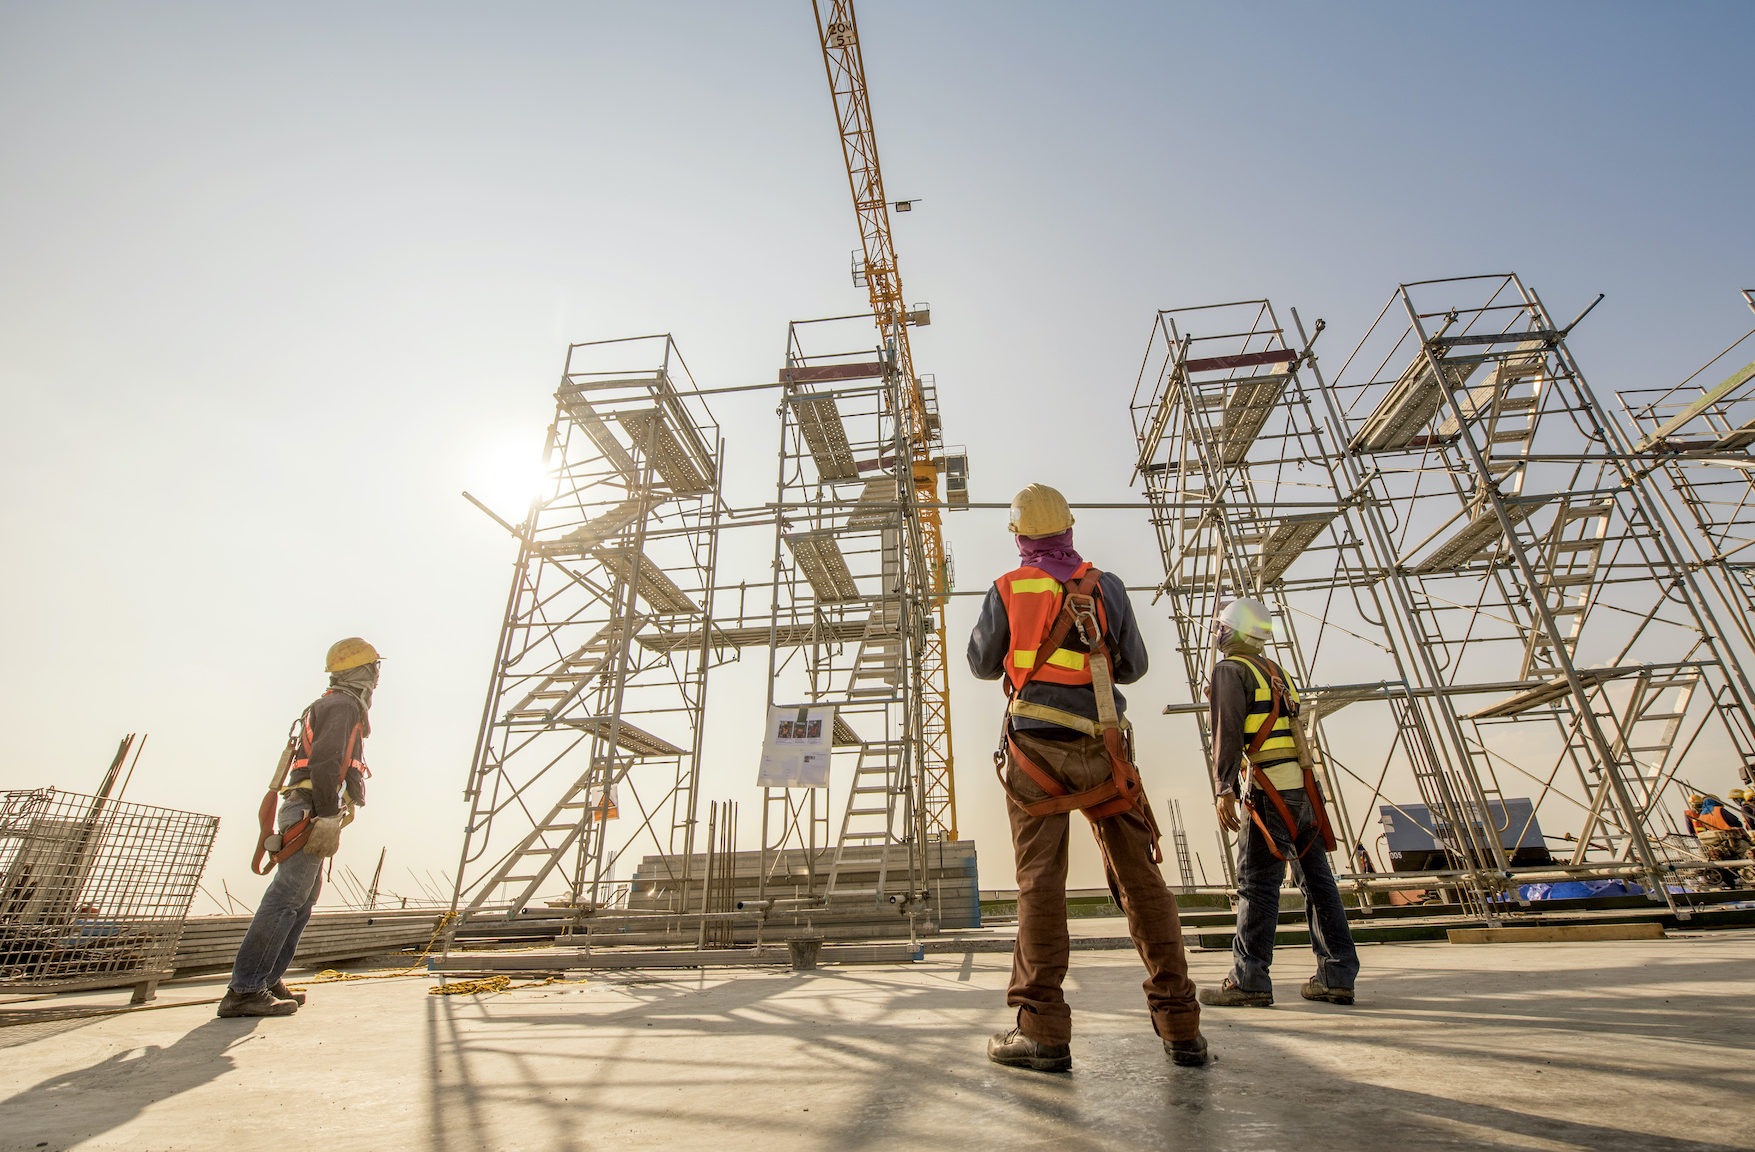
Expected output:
(317, 784)
(1745, 801)
(1062, 634)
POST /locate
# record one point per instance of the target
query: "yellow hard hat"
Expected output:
(350, 653)
(1040, 511)
(1695, 798)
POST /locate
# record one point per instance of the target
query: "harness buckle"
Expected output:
(1084, 618)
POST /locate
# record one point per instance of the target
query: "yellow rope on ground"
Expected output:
(455, 988)
(331, 976)
(495, 984)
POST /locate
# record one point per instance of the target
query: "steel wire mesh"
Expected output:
(93, 891)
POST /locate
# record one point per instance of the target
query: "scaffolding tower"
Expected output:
(1250, 496)
(1698, 437)
(851, 612)
(1456, 530)
(589, 747)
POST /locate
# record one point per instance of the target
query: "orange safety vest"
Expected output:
(1048, 614)
(1032, 604)
(1713, 820)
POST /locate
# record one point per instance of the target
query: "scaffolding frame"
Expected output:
(588, 750)
(1482, 528)
(852, 590)
(1697, 440)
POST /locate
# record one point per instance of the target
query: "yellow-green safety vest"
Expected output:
(1278, 755)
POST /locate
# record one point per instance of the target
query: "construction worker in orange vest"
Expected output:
(1061, 634)
(1252, 715)
(323, 774)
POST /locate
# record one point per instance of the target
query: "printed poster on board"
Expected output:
(796, 747)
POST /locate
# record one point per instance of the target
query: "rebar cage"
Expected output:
(93, 891)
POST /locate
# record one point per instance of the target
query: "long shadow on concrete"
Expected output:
(75, 1106)
(837, 1061)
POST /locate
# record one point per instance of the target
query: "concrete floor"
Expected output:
(1529, 1046)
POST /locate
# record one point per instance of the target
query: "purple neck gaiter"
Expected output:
(1053, 554)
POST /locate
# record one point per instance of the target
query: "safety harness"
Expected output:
(272, 847)
(1281, 701)
(1123, 790)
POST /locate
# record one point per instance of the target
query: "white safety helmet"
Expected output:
(1243, 617)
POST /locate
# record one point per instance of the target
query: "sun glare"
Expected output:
(506, 474)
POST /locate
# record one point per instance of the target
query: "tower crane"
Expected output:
(839, 35)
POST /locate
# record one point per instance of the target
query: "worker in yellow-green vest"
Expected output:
(1253, 712)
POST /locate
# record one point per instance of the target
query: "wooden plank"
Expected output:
(1244, 360)
(1556, 933)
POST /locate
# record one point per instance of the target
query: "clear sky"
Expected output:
(278, 281)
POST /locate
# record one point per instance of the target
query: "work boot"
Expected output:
(1016, 1050)
(281, 992)
(1188, 1053)
(258, 1003)
(1315, 989)
(1228, 995)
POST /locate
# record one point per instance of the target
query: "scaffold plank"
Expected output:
(572, 401)
(1288, 541)
(1249, 403)
(633, 740)
(658, 590)
(581, 541)
(1409, 406)
(819, 558)
(784, 635)
(1548, 691)
(877, 505)
(686, 471)
(1476, 537)
(826, 437)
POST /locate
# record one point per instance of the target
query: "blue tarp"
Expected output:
(1579, 889)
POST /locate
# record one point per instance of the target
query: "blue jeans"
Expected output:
(1259, 874)
(273, 937)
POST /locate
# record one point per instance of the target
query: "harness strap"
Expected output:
(1033, 711)
(264, 861)
(1277, 694)
(293, 839)
(1123, 790)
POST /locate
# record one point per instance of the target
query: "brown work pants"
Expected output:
(1039, 960)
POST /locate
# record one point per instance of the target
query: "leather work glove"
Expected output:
(325, 836)
(1226, 809)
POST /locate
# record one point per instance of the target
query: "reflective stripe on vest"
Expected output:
(1279, 744)
(1032, 602)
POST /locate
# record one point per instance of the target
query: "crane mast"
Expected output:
(839, 35)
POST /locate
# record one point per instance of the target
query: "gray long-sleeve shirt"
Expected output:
(334, 718)
(992, 639)
(1233, 691)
